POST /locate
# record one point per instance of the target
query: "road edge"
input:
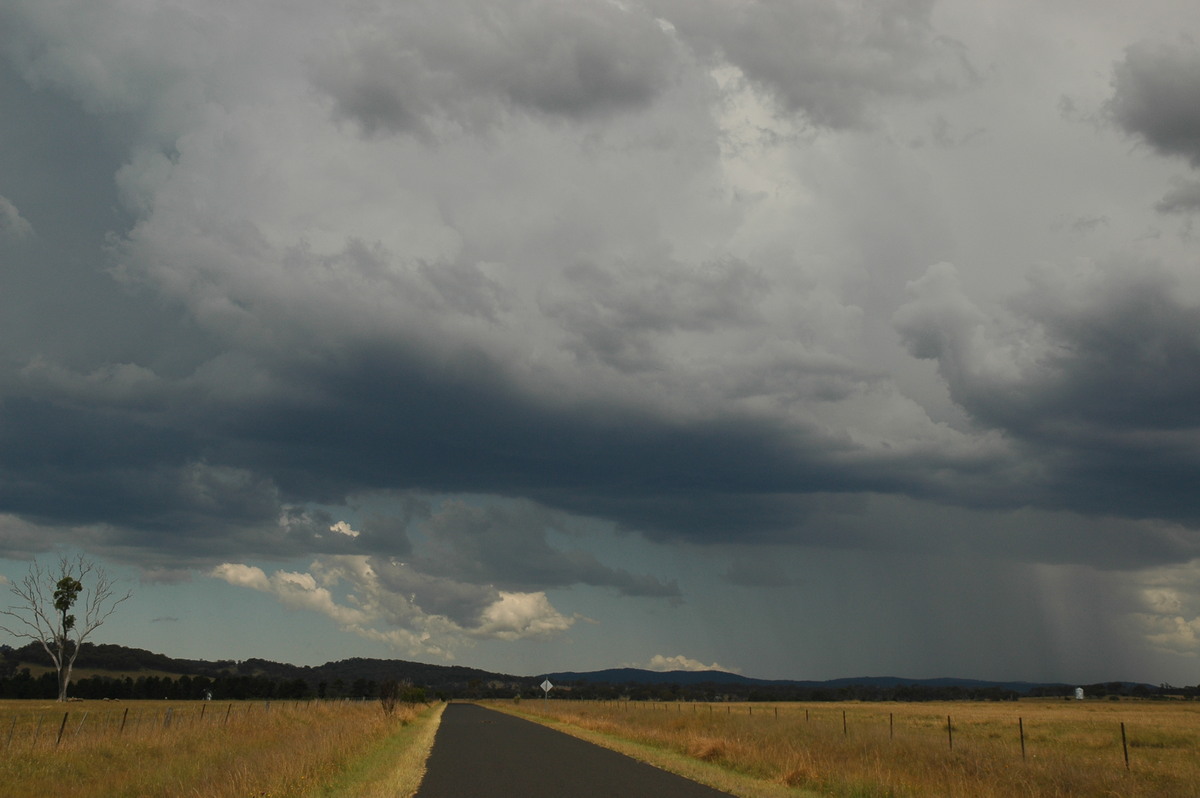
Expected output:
(706, 773)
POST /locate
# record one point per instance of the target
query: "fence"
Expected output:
(1118, 727)
(1024, 743)
(169, 748)
(61, 725)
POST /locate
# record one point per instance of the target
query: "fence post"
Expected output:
(124, 717)
(891, 726)
(950, 732)
(1124, 745)
(81, 720)
(1021, 727)
(64, 725)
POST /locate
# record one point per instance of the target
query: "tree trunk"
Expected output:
(63, 664)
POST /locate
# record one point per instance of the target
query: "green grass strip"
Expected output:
(393, 768)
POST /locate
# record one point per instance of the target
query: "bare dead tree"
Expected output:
(45, 599)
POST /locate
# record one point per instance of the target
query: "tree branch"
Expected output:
(60, 639)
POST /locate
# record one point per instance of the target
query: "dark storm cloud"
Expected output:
(1127, 357)
(56, 167)
(465, 63)
(139, 478)
(1156, 96)
(395, 423)
(199, 473)
(506, 545)
(830, 61)
(58, 460)
(1121, 395)
(1184, 198)
(462, 602)
(1108, 399)
(271, 350)
(388, 534)
(695, 478)
(616, 316)
(202, 473)
(757, 573)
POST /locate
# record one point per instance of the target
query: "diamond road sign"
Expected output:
(546, 685)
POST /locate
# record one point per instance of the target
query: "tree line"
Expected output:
(359, 678)
(232, 686)
(713, 692)
(23, 684)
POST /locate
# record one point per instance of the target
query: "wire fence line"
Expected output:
(64, 726)
(1023, 736)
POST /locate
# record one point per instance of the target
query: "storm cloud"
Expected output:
(830, 62)
(422, 67)
(466, 324)
(1155, 91)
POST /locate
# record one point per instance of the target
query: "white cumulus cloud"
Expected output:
(679, 662)
(518, 615)
(390, 602)
(1169, 611)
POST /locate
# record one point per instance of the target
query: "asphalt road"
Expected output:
(481, 753)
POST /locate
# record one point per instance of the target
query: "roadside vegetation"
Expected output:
(304, 749)
(903, 750)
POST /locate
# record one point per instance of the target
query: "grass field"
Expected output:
(853, 750)
(212, 749)
(870, 750)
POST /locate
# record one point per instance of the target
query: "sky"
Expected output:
(804, 340)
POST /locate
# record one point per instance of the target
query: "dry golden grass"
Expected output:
(899, 749)
(201, 749)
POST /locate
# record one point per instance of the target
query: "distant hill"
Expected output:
(130, 661)
(358, 676)
(111, 657)
(640, 676)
